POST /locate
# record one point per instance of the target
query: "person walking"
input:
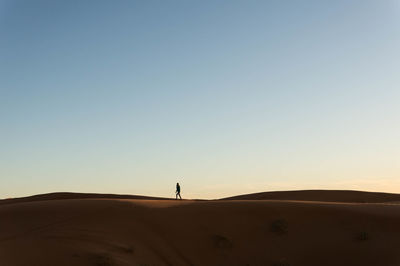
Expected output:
(178, 191)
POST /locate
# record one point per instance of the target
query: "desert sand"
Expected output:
(310, 228)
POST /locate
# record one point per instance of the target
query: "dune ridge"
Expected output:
(351, 196)
(75, 195)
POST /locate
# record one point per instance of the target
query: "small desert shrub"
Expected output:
(221, 242)
(279, 227)
(102, 260)
(280, 263)
(362, 236)
(127, 249)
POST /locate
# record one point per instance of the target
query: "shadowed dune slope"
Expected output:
(122, 232)
(322, 195)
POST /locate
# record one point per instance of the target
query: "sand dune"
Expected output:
(71, 195)
(350, 196)
(110, 231)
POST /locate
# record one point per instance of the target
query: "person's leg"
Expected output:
(180, 195)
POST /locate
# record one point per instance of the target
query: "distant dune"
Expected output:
(71, 195)
(310, 228)
(349, 196)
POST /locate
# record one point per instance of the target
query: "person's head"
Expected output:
(177, 184)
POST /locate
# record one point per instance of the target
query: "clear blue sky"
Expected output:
(225, 97)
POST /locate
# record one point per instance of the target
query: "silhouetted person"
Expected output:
(178, 191)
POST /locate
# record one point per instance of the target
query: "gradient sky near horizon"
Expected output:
(225, 97)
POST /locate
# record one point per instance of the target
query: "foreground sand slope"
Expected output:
(108, 232)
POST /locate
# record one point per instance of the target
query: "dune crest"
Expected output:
(350, 196)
